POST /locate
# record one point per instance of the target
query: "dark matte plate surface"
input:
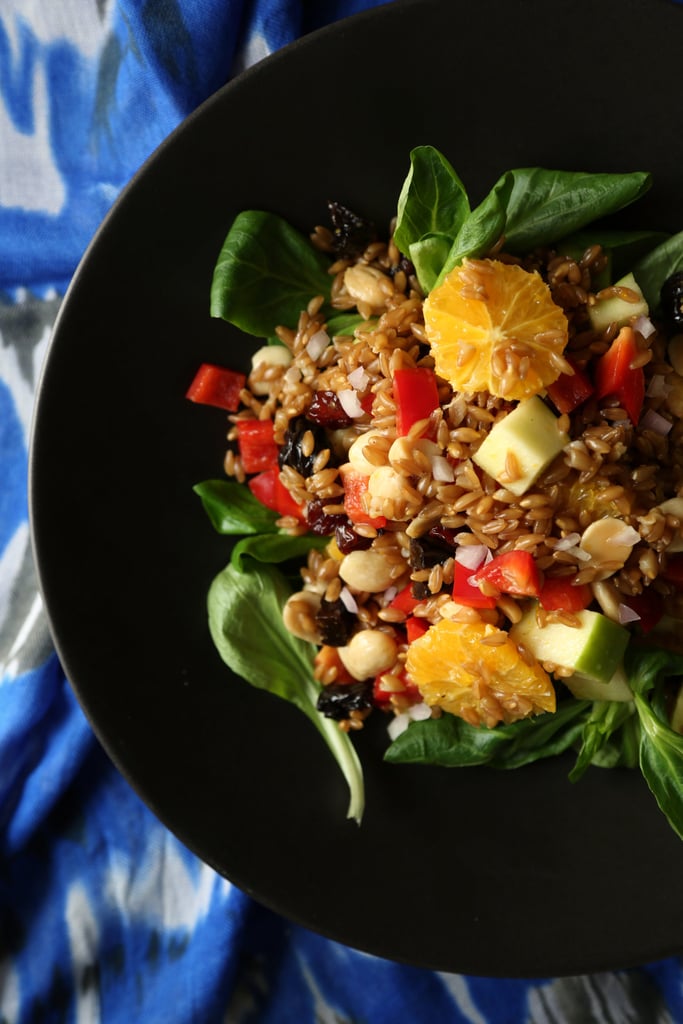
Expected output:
(472, 871)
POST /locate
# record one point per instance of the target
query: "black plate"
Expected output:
(503, 874)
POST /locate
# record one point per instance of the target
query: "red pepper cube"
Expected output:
(416, 396)
(570, 390)
(468, 593)
(616, 377)
(558, 593)
(258, 450)
(217, 386)
(355, 489)
(272, 493)
(514, 572)
(405, 601)
(415, 628)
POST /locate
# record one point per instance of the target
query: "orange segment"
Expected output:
(476, 671)
(494, 327)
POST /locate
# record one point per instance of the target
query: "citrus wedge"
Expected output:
(477, 672)
(494, 327)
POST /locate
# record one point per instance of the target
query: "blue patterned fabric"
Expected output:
(104, 916)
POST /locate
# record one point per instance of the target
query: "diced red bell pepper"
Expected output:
(570, 390)
(415, 628)
(272, 493)
(355, 489)
(615, 377)
(405, 601)
(217, 386)
(648, 606)
(416, 396)
(467, 593)
(558, 594)
(514, 572)
(258, 450)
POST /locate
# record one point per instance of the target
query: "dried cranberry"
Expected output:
(322, 522)
(338, 700)
(671, 297)
(327, 410)
(351, 234)
(335, 622)
(291, 452)
(348, 540)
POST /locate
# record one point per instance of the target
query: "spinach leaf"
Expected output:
(652, 270)
(272, 548)
(428, 256)
(233, 509)
(245, 621)
(453, 743)
(546, 205)
(343, 323)
(482, 228)
(661, 749)
(433, 200)
(266, 274)
(604, 720)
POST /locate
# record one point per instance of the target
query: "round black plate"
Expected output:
(515, 873)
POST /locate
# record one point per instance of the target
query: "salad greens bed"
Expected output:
(265, 274)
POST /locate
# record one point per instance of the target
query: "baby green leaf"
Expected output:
(245, 620)
(546, 205)
(266, 273)
(233, 509)
(433, 199)
(482, 228)
(652, 270)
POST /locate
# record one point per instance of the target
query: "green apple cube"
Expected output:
(615, 310)
(595, 648)
(529, 433)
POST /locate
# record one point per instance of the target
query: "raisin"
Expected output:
(671, 296)
(348, 540)
(351, 234)
(428, 551)
(321, 522)
(338, 700)
(335, 623)
(291, 453)
(326, 410)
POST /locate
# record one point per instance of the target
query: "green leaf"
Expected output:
(546, 205)
(623, 248)
(233, 509)
(652, 270)
(482, 228)
(604, 720)
(453, 743)
(272, 548)
(428, 256)
(266, 273)
(343, 323)
(433, 199)
(661, 762)
(245, 621)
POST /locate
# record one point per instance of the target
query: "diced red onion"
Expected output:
(644, 326)
(350, 403)
(348, 600)
(398, 725)
(658, 388)
(419, 712)
(657, 424)
(627, 614)
(442, 469)
(565, 543)
(626, 536)
(471, 555)
(359, 379)
(317, 344)
(390, 593)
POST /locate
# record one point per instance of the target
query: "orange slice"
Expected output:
(477, 672)
(494, 327)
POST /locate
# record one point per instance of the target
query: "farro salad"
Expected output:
(456, 475)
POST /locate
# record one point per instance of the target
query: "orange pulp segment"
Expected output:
(494, 327)
(475, 671)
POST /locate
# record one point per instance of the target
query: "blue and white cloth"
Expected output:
(104, 915)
